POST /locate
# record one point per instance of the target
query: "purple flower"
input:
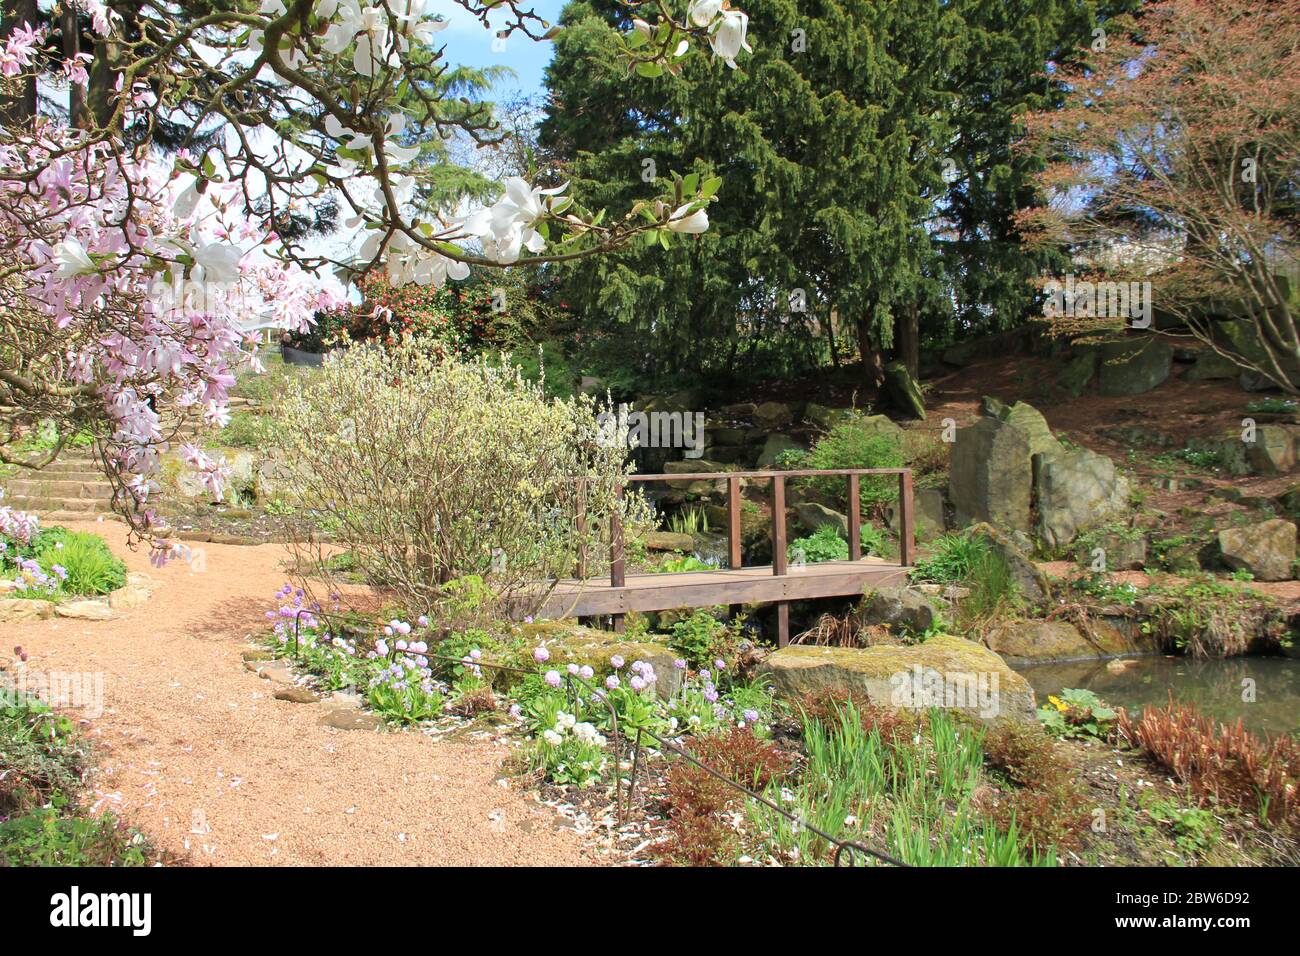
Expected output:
(751, 716)
(541, 655)
(572, 668)
(586, 673)
(381, 648)
(422, 620)
(528, 619)
(612, 682)
(616, 662)
(476, 654)
(720, 664)
(679, 664)
(637, 684)
(553, 678)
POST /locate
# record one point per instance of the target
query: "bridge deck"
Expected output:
(660, 592)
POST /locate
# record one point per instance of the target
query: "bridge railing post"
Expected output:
(617, 569)
(906, 533)
(855, 519)
(779, 557)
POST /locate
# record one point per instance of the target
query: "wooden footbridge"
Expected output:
(778, 583)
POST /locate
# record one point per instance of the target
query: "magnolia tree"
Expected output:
(128, 272)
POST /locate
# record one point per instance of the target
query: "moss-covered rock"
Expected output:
(967, 676)
(1025, 641)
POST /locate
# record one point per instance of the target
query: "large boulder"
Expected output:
(927, 514)
(990, 477)
(903, 609)
(1026, 641)
(903, 390)
(773, 447)
(1077, 373)
(881, 425)
(813, 515)
(943, 671)
(1077, 489)
(1211, 366)
(1031, 422)
(773, 415)
(667, 541)
(1267, 550)
(1274, 449)
(1028, 578)
(1131, 366)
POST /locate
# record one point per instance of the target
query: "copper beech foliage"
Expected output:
(1175, 159)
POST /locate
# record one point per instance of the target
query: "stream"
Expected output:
(1217, 687)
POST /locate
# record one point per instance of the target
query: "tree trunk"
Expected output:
(19, 111)
(908, 340)
(101, 98)
(869, 352)
(71, 47)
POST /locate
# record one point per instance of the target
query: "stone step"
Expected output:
(64, 466)
(59, 488)
(57, 517)
(38, 504)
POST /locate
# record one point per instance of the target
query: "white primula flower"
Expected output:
(73, 259)
(692, 224)
(552, 738)
(702, 12)
(728, 37)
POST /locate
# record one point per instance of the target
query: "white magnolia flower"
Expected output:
(728, 37)
(692, 224)
(217, 262)
(702, 12)
(73, 260)
(413, 15)
(369, 27)
(187, 199)
(508, 226)
(326, 8)
(275, 8)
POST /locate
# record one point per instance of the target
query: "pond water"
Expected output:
(1216, 687)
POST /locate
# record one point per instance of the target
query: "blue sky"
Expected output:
(471, 45)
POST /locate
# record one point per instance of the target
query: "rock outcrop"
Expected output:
(990, 475)
(943, 671)
(1267, 550)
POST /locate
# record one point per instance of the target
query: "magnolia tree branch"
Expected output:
(125, 277)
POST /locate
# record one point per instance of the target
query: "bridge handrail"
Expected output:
(906, 532)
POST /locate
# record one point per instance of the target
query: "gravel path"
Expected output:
(194, 749)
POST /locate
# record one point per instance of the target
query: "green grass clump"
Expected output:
(909, 790)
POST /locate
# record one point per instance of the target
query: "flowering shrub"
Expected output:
(451, 318)
(435, 469)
